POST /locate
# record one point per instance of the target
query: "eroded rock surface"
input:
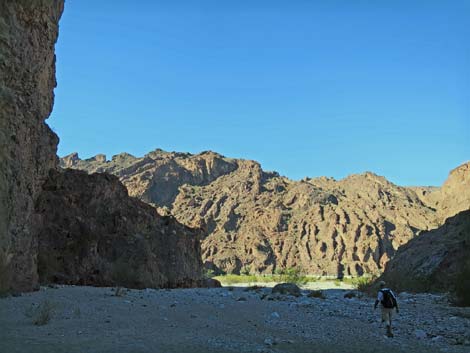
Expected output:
(28, 32)
(258, 221)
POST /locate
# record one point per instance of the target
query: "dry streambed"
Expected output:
(87, 319)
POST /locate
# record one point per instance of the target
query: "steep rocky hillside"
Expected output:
(434, 260)
(257, 221)
(28, 32)
(90, 232)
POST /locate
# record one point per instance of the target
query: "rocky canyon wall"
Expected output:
(28, 32)
(80, 229)
(92, 233)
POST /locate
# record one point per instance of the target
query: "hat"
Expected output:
(382, 283)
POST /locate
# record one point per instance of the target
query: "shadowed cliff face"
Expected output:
(257, 221)
(434, 260)
(28, 32)
(91, 232)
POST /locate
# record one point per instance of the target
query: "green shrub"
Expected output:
(292, 275)
(366, 284)
(245, 270)
(208, 273)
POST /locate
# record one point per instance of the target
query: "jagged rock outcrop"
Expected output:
(434, 260)
(455, 193)
(257, 221)
(28, 32)
(156, 177)
(91, 232)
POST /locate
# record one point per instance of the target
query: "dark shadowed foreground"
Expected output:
(88, 319)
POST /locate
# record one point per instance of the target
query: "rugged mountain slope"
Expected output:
(28, 32)
(434, 260)
(90, 232)
(259, 222)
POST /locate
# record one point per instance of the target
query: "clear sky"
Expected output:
(307, 88)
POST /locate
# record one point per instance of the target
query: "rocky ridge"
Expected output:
(259, 222)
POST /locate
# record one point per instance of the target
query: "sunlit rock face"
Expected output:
(28, 32)
(258, 221)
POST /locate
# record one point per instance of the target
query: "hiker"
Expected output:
(388, 302)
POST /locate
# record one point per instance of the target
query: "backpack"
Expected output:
(388, 300)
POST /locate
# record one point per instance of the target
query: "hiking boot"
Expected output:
(389, 332)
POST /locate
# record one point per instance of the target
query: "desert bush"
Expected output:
(462, 286)
(208, 273)
(292, 275)
(245, 270)
(366, 284)
(42, 314)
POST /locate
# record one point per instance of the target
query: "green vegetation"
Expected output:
(365, 284)
(209, 273)
(290, 275)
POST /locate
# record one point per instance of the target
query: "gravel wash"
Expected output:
(94, 320)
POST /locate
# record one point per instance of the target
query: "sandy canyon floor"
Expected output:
(94, 320)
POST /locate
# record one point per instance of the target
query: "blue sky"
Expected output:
(307, 88)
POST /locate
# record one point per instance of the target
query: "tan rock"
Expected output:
(257, 221)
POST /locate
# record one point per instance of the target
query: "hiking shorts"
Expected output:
(387, 315)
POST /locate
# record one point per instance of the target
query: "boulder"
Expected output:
(286, 289)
